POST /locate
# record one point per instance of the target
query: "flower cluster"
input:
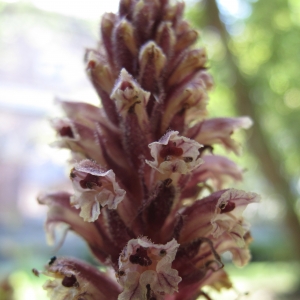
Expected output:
(149, 195)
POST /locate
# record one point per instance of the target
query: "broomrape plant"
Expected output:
(144, 163)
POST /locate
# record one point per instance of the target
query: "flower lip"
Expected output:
(145, 269)
(94, 188)
(175, 154)
(127, 93)
(65, 128)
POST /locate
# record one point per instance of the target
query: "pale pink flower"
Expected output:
(145, 270)
(93, 189)
(175, 154)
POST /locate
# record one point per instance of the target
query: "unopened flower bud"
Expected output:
(192, 62)
(99, 71)
(152, 61)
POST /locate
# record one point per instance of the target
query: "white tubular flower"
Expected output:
(127, 92)
(65, 129)
(145, 270)
(175, 154)
(94, 188)
(73, 279)
(228, 214)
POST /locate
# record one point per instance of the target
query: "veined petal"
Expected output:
(82, 112)
(174, 154)
(193, 61)
(127, 93)
(228, 212)
(94, 188)
(61, 213)
(191, 95)
(130, 97)
(145, 270)
(218, 213)
(217, 168)
(77, 137)
(240, 253)
(219, 131)
(73, 279)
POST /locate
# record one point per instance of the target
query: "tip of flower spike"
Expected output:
(245, 122)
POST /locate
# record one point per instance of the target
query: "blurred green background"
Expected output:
(254, 56)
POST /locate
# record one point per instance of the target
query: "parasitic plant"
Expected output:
(149, 195)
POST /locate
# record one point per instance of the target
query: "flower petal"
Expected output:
(145, 270)
(61, 213)
(129, 96)
(74, 279)
(174, 154)
(94, 187)
(219, 131)
(228, 212)
(218, 213)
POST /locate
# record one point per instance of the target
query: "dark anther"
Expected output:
(52, 260)
(121, 273)
(66, 131)
(167, 182)
(131, 108)
(188, 159)
(140, 257)
(205, 147)
(90, 182)
(163, 252)
(69, 281)
(150, 295)
(222, 205)
(225, 208)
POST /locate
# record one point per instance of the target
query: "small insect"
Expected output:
(52, 260)
(167, 182)
(188, 159)
(36, 272)
(72, 174)
(120, 273)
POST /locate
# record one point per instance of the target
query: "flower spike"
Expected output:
(147, 167)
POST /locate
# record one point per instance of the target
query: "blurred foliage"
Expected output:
(264, 42)
(266, 46)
